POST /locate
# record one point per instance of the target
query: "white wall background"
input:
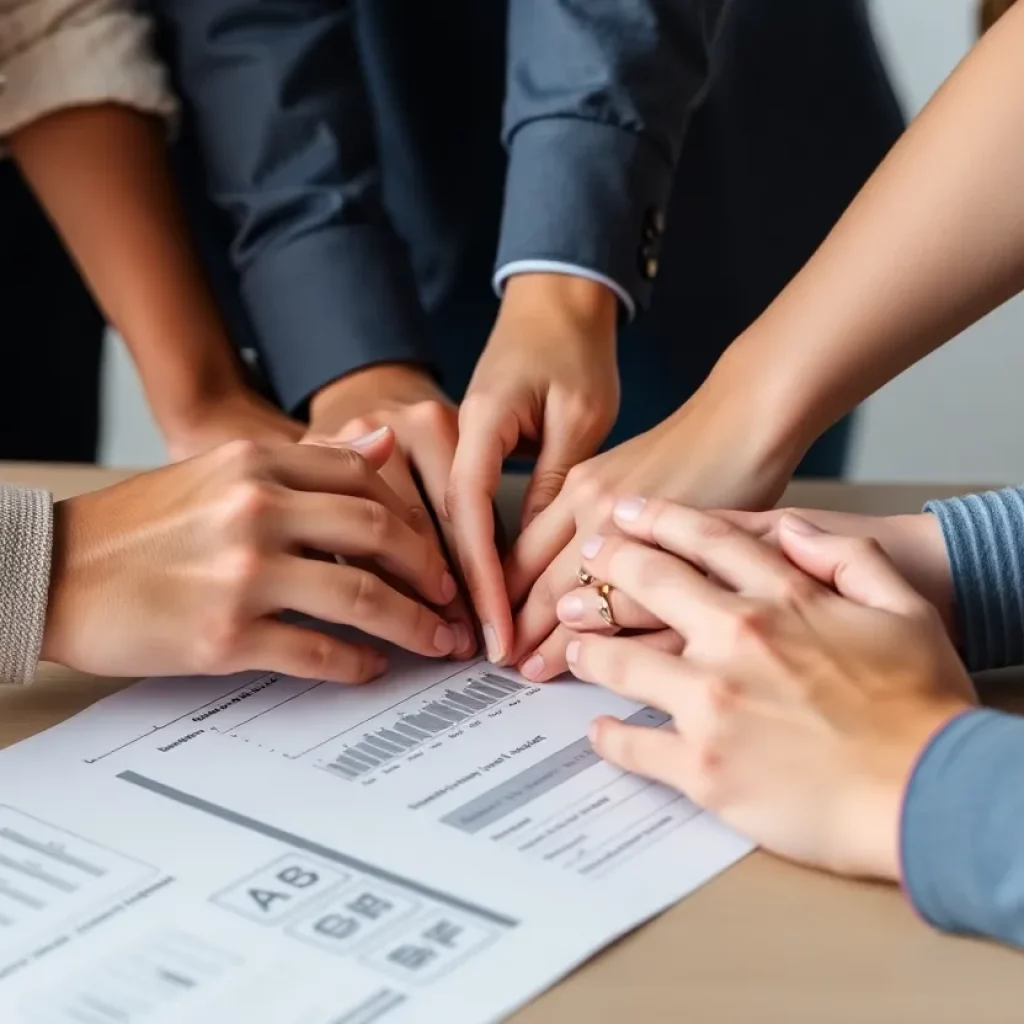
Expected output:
(953, 418)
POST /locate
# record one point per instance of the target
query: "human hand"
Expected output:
(185, 570)
(237, 414)
(706, 454)
(425, 424)
(914, 544)
(546, 384)
(811, 679)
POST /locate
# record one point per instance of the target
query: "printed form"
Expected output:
(442, 844)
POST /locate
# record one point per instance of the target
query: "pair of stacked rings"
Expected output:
(604, 591)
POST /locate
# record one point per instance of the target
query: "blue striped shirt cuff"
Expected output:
(984, 535)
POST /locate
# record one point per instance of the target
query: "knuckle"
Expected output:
(367, 596)
(585, 485)
(379, 524)
(419, 519)
(318, 656)
(217, 640)
(242, 456)
(350, 462)
(248, 502)
(712, 528)
(752, 622)
(547, 483)
(798, 589)
(431, 414)
(722, 694)
(451, 506)
(359, 427)
(239, 569)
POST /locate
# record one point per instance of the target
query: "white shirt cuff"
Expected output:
(571, 270)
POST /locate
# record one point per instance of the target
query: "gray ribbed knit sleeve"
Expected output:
(26, 541)
(984, 536)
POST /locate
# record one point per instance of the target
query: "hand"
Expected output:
(235, 415)
(810, 681)
(547, 383)
(706, 454)
(185, 570)
(425, 424)
(914, 543)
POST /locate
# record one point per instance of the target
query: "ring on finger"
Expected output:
(604, 604)
(584, 577)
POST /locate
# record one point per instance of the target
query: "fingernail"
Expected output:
(570, 608)
(594, 733)
(799, 525)
(494, 650)
(572, 652)
(462, 638)
(449, 588)
(533, 667)
(366, 440)
(591, 546)
(629, 510)
(444, 639)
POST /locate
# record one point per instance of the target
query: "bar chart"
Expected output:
(408, 730)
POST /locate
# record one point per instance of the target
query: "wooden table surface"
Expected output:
(766, 942)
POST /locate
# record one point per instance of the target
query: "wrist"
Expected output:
(587, 303)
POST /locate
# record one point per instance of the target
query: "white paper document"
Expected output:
(441, 845)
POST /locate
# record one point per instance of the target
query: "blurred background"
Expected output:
(956, 417)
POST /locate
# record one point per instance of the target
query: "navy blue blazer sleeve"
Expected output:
(282, 114)
(599, 94)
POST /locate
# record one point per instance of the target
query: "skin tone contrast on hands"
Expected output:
(547, 384)
(216, 548)
(807, 679)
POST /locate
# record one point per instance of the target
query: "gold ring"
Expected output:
(584, 577)
(604, 605)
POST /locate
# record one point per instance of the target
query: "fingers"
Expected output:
(712, 543)
(360, 528)
(352, 596)
(334, 469)
(567, 441)
(537, 547)
(855, 567)
(433, 461)
(538, 616)
(634, 670)
(671, 590)
(376, 446)
(653, 753)
(580, 610)
(274, 646)
(487, 434)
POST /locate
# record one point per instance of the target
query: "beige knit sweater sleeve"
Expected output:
(66, 53)
(26, 541)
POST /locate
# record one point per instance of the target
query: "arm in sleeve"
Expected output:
(984, 535)
(277, 94)
(599, 95)
(962, 833)
(56, 54)
(26, 542)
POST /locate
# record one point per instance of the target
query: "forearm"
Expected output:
(963, 828)
(934, 241)
(119, 215)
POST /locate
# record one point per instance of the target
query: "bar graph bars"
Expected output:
(411, 729)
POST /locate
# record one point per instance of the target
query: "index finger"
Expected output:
(715, 545)
(486, 437)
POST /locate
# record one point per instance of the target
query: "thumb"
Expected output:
(375, 447)
(855, 567)
(562, 448)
